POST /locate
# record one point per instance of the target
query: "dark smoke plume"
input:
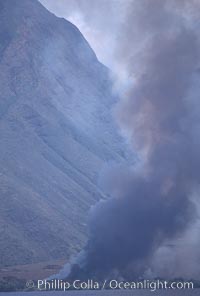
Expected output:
(159, 48)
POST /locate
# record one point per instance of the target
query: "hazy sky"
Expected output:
(98, 20)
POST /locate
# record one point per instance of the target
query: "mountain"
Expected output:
(56, 133)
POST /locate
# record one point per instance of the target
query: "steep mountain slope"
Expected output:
(56, 132)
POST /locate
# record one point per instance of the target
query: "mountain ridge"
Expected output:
(56, 134)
